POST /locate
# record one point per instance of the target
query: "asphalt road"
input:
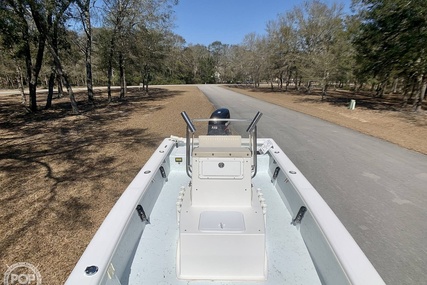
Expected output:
(377, 189)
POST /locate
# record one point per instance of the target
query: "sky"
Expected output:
(228, 21)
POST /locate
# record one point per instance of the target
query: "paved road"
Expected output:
(377, 189)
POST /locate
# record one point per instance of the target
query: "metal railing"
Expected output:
(191, 129)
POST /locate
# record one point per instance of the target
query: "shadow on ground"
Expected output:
(49, 161)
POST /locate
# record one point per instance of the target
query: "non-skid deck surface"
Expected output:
(155, 260)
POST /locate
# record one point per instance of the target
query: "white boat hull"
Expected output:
(123, 251)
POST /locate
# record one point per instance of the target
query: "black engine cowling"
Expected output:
(219, 127)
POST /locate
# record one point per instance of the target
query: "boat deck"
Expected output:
(288, 259)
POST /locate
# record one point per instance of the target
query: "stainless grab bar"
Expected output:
(192, 129)
(252, 130)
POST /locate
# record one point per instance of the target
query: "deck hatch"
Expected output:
(218, 221)
(220, 168)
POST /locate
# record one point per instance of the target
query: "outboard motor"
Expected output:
(219, 127)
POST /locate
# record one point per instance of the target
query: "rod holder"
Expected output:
(252, 125)
(187, 120)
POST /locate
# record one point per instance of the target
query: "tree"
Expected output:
(197, 64)
(118, 12)
(11, 63)
(18, 31)
(238, 64)
(282, 44)
(177, 68)
(84, 7)
(320, 32)
(217, 52)
(309, 42)
(147, 54)
(254, 58)
(125, 18)
(48, 15)
(392, 40)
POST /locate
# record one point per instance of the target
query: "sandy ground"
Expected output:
(60, 174)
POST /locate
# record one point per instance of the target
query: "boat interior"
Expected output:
(217, 223)
(220, 208)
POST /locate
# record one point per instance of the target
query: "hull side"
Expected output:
(119, 248)
(336, 255)
(111, 249)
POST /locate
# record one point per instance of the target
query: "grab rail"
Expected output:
(190, 128)
(252, 130)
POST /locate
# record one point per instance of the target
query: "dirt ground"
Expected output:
(60, 174)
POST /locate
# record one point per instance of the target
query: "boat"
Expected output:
(221, 206)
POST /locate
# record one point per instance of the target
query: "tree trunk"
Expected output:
(281, 80)
(85, 15)
(9, 83)
(145, 78)
(381, 89)
(20, 80)
(32, 88)
(109, 75)
(288, 79)
(296, 80)
(309, 87)
(411, 95)
(324, 91)
(110, 67)
(50, 90)
(409, 87)
(89, 83)
(395, 85)
(74, 106)
(29, 65)
(358, 87)
(61, 72)
(421, 93)
(34, 74)
(325, 84)
(122, 76)
(60, 86)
